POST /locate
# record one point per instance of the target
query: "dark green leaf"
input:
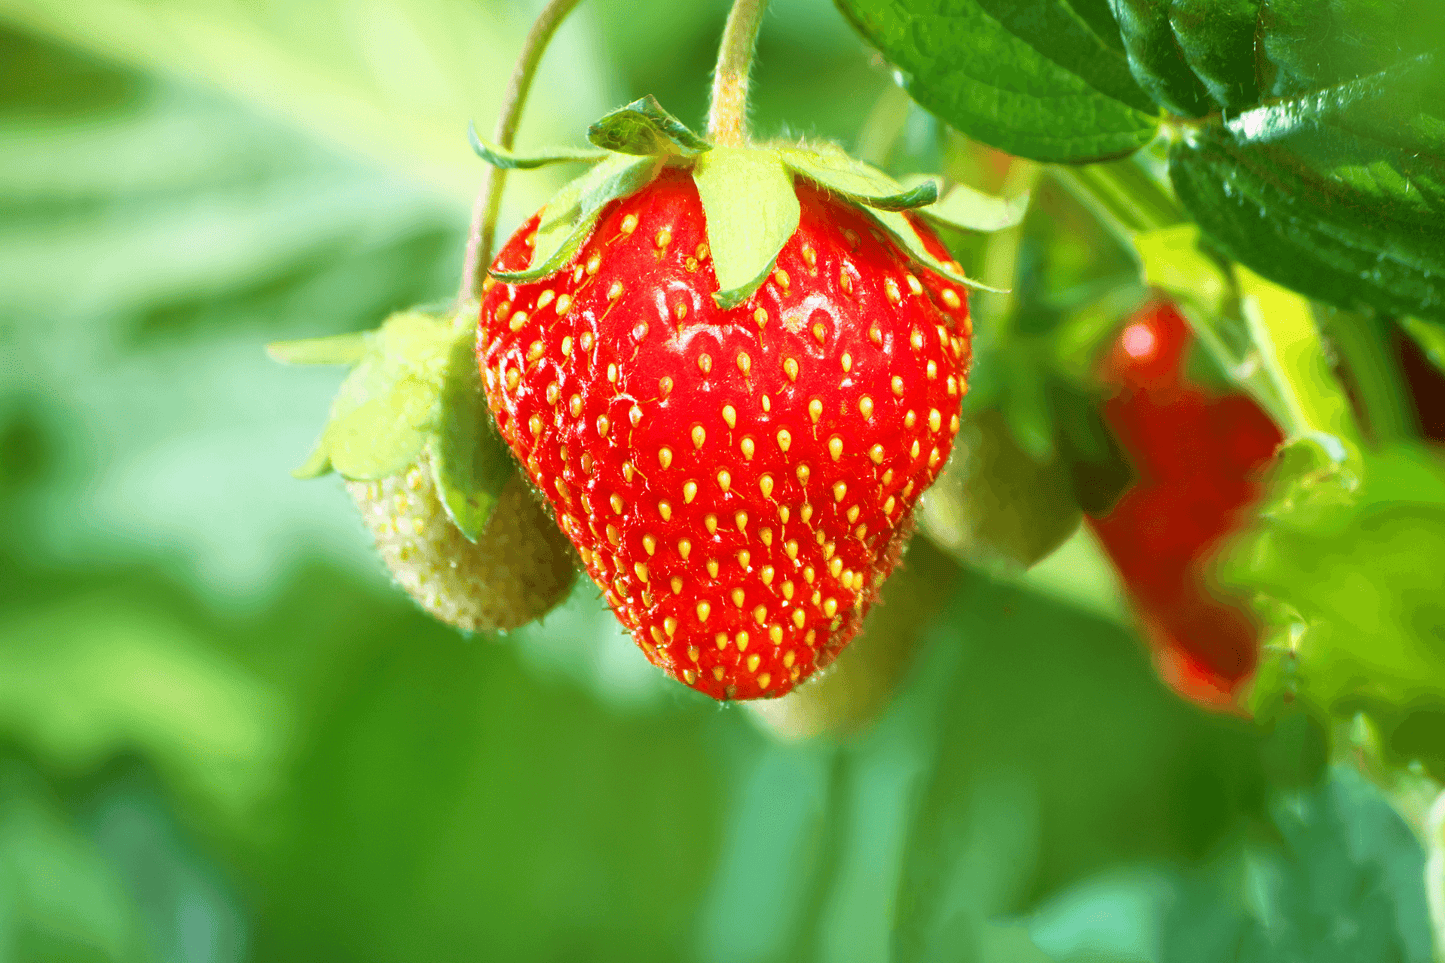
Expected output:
(1156, 58)
(1217, 39)
(507, 160)
(1333, 875)
(751, 209)
(1035, 79)
(1335, 192)
(1076, 723)
(643, 127)
(1343, 885)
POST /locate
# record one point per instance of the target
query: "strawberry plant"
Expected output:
(964, 483)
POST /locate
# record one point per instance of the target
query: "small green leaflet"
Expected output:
(751, 210)
(643, 127)
(901, 228)
(568, 218)
(414, 387)
(506, 160)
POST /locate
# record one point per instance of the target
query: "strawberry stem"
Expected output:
(1381, 395)
(488, 206)
(727, 116)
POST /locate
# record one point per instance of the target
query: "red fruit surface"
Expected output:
(1198, 458)
(740, 482)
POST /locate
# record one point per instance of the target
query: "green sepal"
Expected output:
(415, 388)
(751, 209)
(901, 228)
(470, 462)
(967, 209)
(643, 127)
(872, 190)
(569, 217)
(335, 349)
(830, 168)
(506, 160)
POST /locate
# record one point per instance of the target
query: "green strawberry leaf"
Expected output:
(751, 208)
(386, 407)
(1330, 874)
(507, 160)
(643, 127)
(1345, 560)
(967, 209)
(883, 198)
(1330, 179)
(568, 218)
(1046, 80)
(1156, 58)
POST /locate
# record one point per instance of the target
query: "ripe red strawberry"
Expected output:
(1199, 457)
(738, 482)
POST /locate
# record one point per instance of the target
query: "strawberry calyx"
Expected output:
(413, 396)
(748, 192)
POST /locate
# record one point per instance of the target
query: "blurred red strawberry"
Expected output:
(1198, 457)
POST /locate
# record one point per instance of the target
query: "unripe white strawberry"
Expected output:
(457, 525)
(520, 566)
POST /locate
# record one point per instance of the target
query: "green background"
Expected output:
(223, 734)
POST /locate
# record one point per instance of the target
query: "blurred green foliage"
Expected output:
(224, 737)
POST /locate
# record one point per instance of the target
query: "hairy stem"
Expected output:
(489, 202)
(727, 120)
